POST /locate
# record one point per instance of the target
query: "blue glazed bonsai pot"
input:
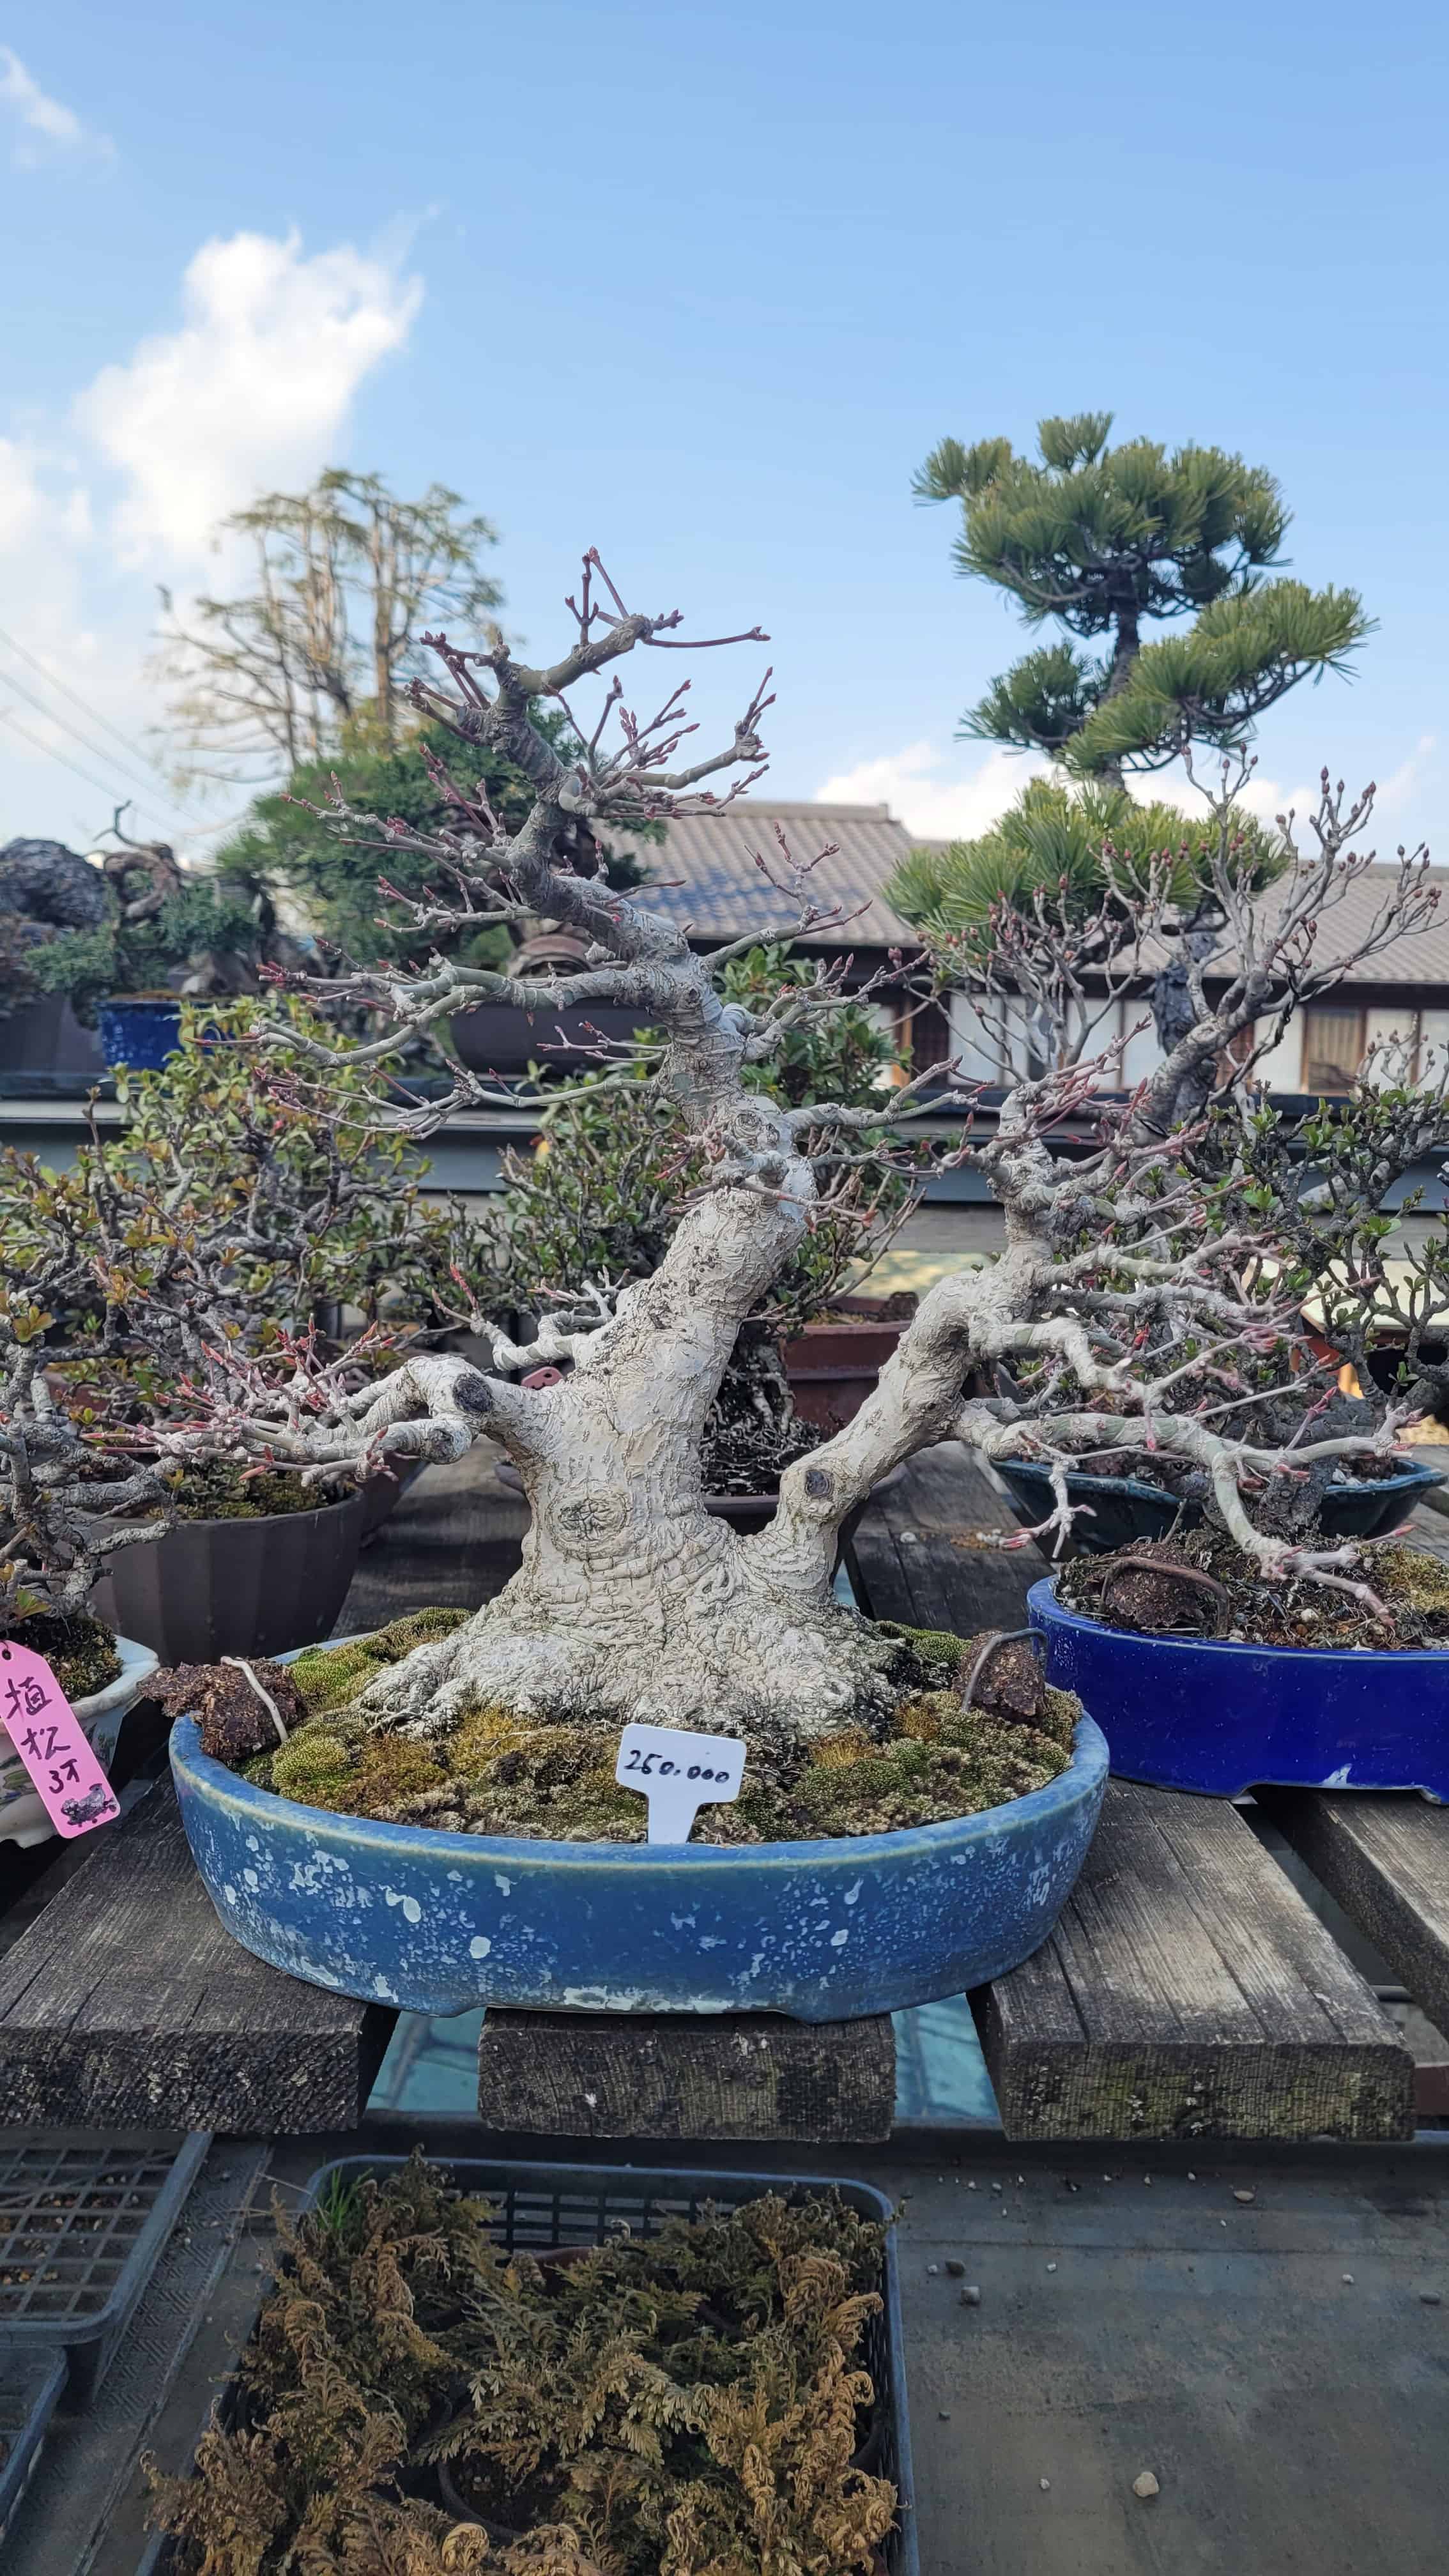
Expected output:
(824, 1931)
(1125, 1508)
(1199, 1713)
(139, 1031)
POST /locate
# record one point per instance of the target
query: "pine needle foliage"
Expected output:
(1081, 847)
(1104, 540)
(690, 2404)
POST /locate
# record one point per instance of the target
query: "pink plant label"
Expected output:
(50, 1740)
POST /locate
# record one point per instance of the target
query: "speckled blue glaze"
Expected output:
(824, 1931)
(1195, 1713)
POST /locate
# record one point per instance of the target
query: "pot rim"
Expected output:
(247, 1520)
(1080, 1782)
(1403, 1479)
(1042, 1601)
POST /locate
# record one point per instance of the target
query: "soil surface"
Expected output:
(1200, 1585)
(939, 1755)
(79, 1650)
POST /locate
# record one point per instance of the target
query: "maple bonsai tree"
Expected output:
(1142, 1298)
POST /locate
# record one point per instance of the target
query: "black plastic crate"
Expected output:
(81, 2228)
(544, 2205)
(30, 2383)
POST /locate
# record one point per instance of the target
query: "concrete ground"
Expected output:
(1130, 2320)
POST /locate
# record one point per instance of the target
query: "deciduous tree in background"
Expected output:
(347, 576)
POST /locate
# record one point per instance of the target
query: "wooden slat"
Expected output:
(125, 2003)
(659, 2075)
(1188, 1991)
(906, 1566)
(1386, 1860)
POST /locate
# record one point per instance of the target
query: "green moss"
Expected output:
(935, 1652)
(1405, 1575)
(914, 1783)
(390, 1769)
(331, 1677)
(498, 1773)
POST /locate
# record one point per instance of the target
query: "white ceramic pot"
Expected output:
(23, 1819)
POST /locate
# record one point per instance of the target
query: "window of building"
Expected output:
(1333, 1049)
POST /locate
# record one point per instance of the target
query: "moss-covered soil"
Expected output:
(1201, 1585)
(687, 2403)
(221, 1492)
(499, 1774)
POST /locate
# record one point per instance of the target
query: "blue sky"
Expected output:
(701, 285)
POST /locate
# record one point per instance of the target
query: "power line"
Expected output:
(8, 716)
(97, 751)
(74, 695)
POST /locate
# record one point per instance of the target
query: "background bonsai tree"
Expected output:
(1103, 541)
(1091, 859)
(1137, 1285)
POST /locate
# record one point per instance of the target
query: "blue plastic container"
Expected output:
(824, 1931)
(1197, 1713)
(1125, 1508)
(140, 1033)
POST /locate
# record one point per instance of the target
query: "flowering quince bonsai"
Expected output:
(1147, 1298)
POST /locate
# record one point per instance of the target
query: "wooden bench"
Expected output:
(1189, 1991)
(124, 2004)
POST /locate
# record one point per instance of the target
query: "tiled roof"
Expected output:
(724, 896)
(1424, 959)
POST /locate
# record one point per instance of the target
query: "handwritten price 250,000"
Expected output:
(648, 1764)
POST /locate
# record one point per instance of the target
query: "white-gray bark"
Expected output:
(1131, 1293)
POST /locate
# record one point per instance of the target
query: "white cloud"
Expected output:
(931, 796)
(252, 392)
(46, 127)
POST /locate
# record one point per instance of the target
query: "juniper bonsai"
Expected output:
(1141, 1300)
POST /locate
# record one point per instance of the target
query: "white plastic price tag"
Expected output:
(678, 1773)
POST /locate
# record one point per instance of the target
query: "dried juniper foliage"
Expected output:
(692, 2404)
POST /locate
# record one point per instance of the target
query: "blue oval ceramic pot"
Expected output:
(824, 1931)
(1198, 1713)
(1125, 1508)
(140, 1033)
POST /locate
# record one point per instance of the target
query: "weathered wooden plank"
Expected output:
(125, 2003)
(906, 1563)
(1188, 1991)
(1386, 1860)
(659, 2075)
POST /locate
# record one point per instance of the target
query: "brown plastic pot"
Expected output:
(235, 1587)
(833, 1364)
(496, 1038)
